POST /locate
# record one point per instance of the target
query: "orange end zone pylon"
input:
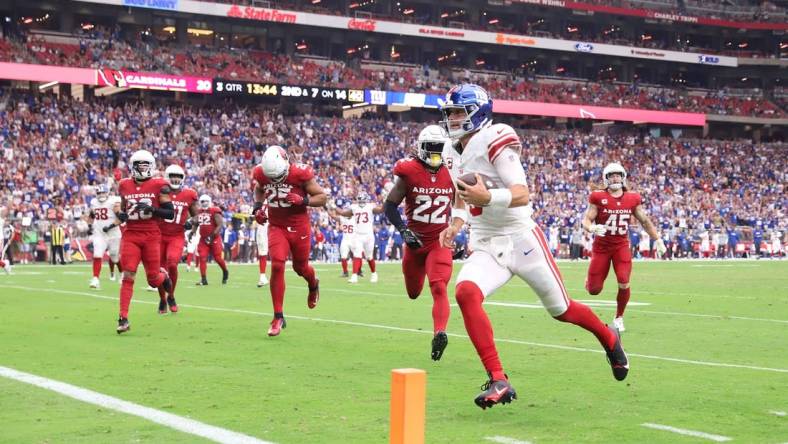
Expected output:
(408, 405)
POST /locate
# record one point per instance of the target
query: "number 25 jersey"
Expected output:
(281, 212)
(146, 192)
(615, 213)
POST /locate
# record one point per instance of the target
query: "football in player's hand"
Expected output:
(470, 179)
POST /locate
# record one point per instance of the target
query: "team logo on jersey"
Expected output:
(434, 178)
(604, 201)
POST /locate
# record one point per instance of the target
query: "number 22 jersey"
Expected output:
(428, 198)
(615, 213)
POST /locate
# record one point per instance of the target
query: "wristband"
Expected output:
(500, 198)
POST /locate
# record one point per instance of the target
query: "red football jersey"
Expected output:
(132, 193)
(280, 212)
(615, 213)
(207, 220)
(428, 198)
(181, 199)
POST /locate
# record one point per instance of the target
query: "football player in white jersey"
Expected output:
(192, 241)
(104, 232)
(362, 213)
(261, 238)
(346, 227)
(504, 239)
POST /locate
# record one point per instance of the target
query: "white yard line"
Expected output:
(505, 440)
(186, 425)
(412, 330)
(777, 412)
(686, 432)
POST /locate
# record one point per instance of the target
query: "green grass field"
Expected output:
(708, 352)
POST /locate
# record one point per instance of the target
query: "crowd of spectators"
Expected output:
(106, 50)
(56, 151)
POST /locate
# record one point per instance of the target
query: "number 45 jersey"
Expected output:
(281, 212)
(615, 213)
(428, 198)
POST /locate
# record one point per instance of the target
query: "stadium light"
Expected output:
(45, 86)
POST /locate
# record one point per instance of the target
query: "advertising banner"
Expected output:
(598, 113)
(145, 80)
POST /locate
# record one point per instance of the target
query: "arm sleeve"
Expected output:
(392, 214)
(165, 211)
(509, 168)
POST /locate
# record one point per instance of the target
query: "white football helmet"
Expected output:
(102, 193)
(205, 201)
(362, 197)
(275, 164)
(612, 168)
(175, 172)
(430, 145)
(143, 164)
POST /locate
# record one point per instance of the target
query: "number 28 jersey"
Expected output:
(615, 213)
(428, 198)
(280, 212)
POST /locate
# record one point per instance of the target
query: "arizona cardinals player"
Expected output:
(362, 242)
(504, 239)
(210, 222)
(288, 189)
(104, 232)
(184, 201)
(143, 200)
(427, 188)
(608, 215)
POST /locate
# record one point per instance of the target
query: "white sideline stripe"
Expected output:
(505, 440)
(170, 420)
(667, 428)
(777, 412)
(412, 330)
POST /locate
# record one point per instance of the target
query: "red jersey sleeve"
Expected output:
(258, 176)
(595, 198)
(304, 172)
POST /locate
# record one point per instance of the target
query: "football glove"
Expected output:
(108, 228)
(411, 239)
(143, 208)
(208, 240)
(598, 230)
(188, 225)
(260, 217)
(123, 216)
(297, 199)
(659, 245)
(90, 230)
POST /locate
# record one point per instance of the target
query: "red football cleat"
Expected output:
(495, 392)
(276, 326)
(314, 295)
(172, 304)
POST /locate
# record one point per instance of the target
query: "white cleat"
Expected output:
(263, 281)
(353, 279)
(373, 277)
(188, 269)
(150, 289)
(618, 324)
(94, 283)
(112, 277)
(7, 268)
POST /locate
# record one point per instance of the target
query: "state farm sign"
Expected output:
(262, 14)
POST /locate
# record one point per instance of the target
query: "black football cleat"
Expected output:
(225, 275)
(439, 343)
(495, 392)
(276, 326)
(162, 307)
(345, 275)
(172, 304)
(314, 295)
(123, 325)
(202, 282)
(618, 358)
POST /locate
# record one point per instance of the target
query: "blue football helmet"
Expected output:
(474, 101)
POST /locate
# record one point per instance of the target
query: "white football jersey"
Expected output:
(103, 214)
(479, 156)
(363, 218)
(346, 225)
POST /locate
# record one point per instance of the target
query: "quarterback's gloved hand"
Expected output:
(598, 230)
(143, 208)
(296, 199)
(411, 239)
(108, 228)
(659, 245)
(188, 225)
(123, 216)
(90, 230)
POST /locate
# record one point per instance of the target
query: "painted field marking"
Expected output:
(686, 432)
